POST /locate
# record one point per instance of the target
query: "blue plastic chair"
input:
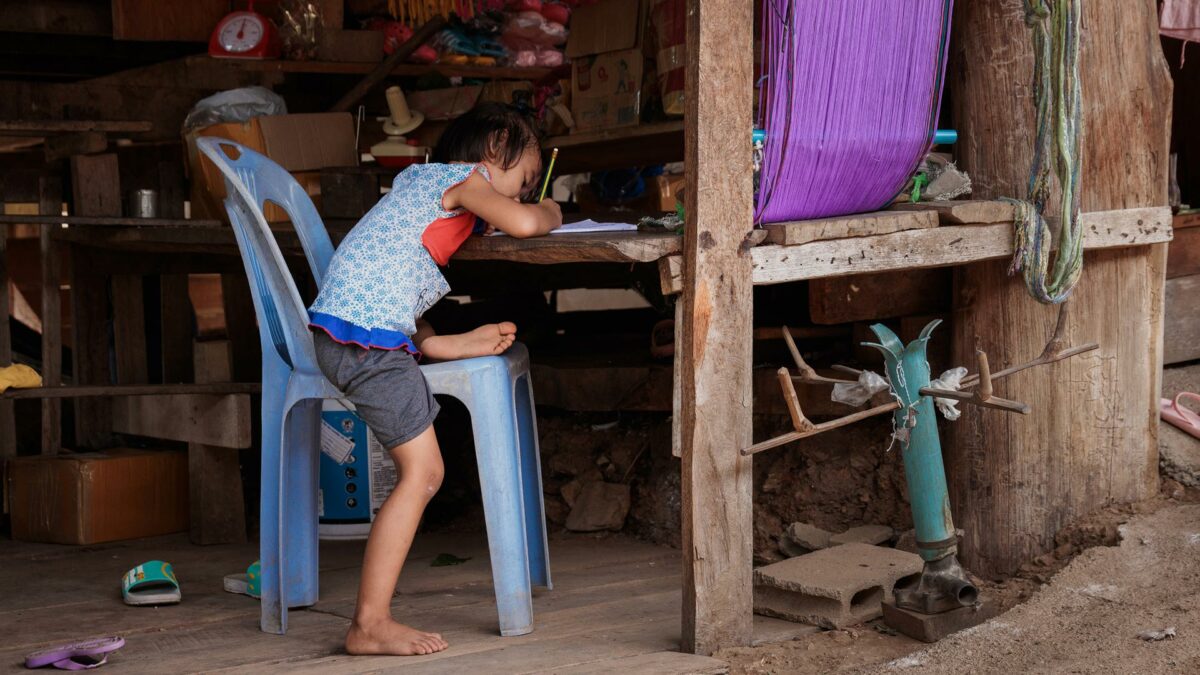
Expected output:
(495, 389)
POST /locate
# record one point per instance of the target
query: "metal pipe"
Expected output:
(916, 428)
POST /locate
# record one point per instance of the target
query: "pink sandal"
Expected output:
(1184, 418)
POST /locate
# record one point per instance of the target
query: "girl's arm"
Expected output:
(507, 215)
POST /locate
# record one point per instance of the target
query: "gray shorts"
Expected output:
(386, 387)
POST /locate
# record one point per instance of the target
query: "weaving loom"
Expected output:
(849, 103)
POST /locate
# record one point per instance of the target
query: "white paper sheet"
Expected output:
(584, 226)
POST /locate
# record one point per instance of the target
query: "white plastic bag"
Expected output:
(860, 392)
(952, 380)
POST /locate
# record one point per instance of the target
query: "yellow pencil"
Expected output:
(549, 170)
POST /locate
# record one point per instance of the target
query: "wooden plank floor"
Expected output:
(614, 608)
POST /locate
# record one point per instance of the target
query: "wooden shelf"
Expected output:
(105, 221)
(47, 127)
(641, 145)
(402, 70)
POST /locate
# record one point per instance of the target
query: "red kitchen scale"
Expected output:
(244, 35)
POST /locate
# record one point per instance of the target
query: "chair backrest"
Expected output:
(251, 180)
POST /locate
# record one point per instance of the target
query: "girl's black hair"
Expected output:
(497, 132)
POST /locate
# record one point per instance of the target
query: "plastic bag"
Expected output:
(234, 105)
(860, 392)
(952, 380)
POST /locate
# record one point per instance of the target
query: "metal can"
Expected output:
(145, 204)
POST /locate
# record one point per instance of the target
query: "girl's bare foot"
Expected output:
(487, 340)
(392, 638)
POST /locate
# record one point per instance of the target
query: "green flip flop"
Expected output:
(151, 583)
(249, 583)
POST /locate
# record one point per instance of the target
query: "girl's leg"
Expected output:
(374, 631)
(487, 340)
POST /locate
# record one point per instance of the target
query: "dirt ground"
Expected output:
(1085, 619)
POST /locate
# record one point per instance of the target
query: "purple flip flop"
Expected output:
(81, 655)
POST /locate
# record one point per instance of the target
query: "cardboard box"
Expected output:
(607, 26)
(606, 90)
(606, 49)
(97, 497)
(302, 144)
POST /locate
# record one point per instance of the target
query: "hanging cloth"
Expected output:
(1181, 20)
(1057, 99)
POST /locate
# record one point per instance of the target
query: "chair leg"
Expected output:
(301, 467)
(274, 607)
(496, 448)
(288, 510)
(531, 483)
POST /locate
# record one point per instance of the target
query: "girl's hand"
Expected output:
(553, 211)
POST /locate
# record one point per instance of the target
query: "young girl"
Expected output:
(367, 328)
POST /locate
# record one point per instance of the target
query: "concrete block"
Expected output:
(1179, 455)
(809, 536)
(864, 534)
(934, 627)
(835, 587)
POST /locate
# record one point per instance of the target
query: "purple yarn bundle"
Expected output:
(849, 104)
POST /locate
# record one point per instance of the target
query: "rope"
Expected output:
(1057, 98)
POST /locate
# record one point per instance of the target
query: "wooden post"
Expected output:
(176, 319)
(129, 329)
(90, 323)
(8, 431)
(241, 328)
(50, 201)
(1091, 437)
(218, 507)
(713, 354)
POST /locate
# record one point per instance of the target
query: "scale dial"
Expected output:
(241, 32)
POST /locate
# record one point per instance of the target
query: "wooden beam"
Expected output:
(218, 507)
(242, 328)
(50, 201)
(870, 297)
(90, 326)
(8, 429)
(38, 127)
(381, 71)
(72, 17)
(177, 320)
(714, 352)
(175, 223)
(944, 246)
(964, 212)
(129, 329)
(82, 143)
(96, 185)
(111, 390)
(856, 225)
(211, 419)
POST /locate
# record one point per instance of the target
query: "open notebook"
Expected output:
(583, 226)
